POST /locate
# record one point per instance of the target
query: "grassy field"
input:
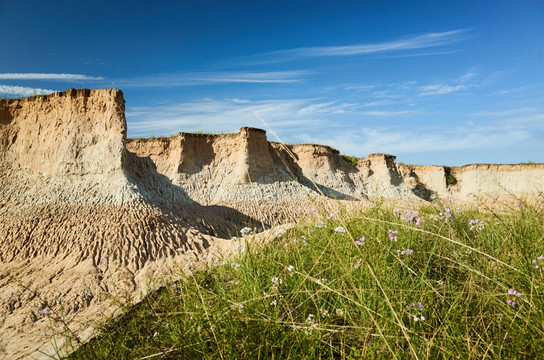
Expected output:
(427, 283)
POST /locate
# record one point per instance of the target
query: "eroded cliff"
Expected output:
(86, 212)
(235, 168)
(78, 212)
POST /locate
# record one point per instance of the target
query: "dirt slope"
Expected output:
(78, 212)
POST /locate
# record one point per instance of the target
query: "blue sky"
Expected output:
(432, 82)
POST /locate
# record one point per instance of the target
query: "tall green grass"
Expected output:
(441, 290)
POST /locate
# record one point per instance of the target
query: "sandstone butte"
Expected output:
(85, 212)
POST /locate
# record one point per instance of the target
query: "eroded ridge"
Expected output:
(78, 210)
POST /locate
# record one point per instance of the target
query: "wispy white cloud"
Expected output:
(530, 117)
(414, 42)
(375, 103)
(468, 76)
(42, 76)
(218, 115)
(23, 91)
(463, 82)
(514, 92)
(387, 113)
(286, 116)
(345, 126)
(440, 89)
(205, 78)
(422, 53)
(511, 128)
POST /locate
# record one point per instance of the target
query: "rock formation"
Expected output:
(77, 211)
(233, 169)
(86, 212)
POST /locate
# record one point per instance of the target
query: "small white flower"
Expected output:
(340, 229)
(280, 232)
(290, 268)
(234, 265)
(277, 281)
(320, 224)
(356, 266)
(246, 231)
(273, 303)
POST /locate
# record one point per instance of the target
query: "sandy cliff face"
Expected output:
(237, 169)
(464, 183)
(232, 173)
(78, 212)
(58, 135)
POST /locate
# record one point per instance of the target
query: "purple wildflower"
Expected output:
(104, 259)
(361, 241)
(417, 308)
(538, 262)
(512, 303)
(513, 292)
(476, 225)
(446, 215)
(393, 235)
(45, 311)
(410, 216)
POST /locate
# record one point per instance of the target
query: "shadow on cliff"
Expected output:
(292, 171)
(158, 191)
